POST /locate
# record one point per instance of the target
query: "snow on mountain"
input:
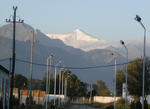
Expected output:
(79, 39)
(77, 35)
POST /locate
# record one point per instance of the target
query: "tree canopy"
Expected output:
(102, 88)
(135, 77)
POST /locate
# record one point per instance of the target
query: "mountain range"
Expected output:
(92, 65)
(80, 39)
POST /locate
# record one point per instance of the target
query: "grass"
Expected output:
(66, 106)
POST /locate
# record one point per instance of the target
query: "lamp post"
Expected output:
(66, 86)
(126, 73)
(114, 84)
(59, 84)
(47, 91)
(137, 18)
(55, 80)
(62, 81)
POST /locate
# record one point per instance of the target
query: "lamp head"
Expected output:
(121, 42)
(52, 54)
(59, 62)
(63, 66)
(137, 18)
(111, 53)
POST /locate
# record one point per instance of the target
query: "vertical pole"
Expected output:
(126, 80)
(62, 83)
(13, 58)
(9, 83)
(115, 87)
(49, 77)
(55, 85)
(143, 68)
(62, 88)
(47, 85)
(65, 88)
(31, 68)
(91, 91)
(59, 87)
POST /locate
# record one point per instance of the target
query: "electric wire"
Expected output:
(76, 67)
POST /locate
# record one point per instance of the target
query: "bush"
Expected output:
(15, 101)
(138, 105)
(145, 104)
(121, 101)
(34, 103)
(1, 105)
(38, 106)
(22, 105)
(132, 106)
(96, 105)
(29, 106)
(110, 107)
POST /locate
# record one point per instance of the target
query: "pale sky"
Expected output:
(110, 20)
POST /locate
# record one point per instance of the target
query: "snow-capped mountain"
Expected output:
(77, 35)
(79, 39)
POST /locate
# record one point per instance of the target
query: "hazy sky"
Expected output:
(110, 20)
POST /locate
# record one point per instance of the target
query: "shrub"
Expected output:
(132, 106)
(110, 107)
(138, 105)
(34, 103)
(15, 101)
(29, 106)
(22, 105)
(1, 105)
(38, 106)
(145, 104)
(121, 101)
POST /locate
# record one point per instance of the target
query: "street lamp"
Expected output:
(114, 84)
(126, 73)
(55, 80)
(137, 18)
(66, 86)
(59, 84)
(63, 81)
(47, 91)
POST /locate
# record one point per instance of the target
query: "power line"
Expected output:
(81, 68)
(4, 59)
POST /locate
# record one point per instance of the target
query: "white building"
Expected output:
(4, 77)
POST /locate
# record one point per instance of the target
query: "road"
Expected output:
(82, 107)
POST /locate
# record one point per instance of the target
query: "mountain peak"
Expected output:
(78, 30)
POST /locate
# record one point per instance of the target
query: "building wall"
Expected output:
(102, 99)
(37, 96)
(4, 91)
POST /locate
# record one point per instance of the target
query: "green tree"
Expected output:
(42, 84)
(95, 88)
(75, 87)
(135, 77)
(120, 79)
(21, 81)
(102, 88)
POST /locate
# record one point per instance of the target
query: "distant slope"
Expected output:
(40, 55)
(98, 56)
(23, 33)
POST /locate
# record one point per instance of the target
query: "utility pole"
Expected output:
(31, 68)
(91, 90)
(13, 52)
(15, 81)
